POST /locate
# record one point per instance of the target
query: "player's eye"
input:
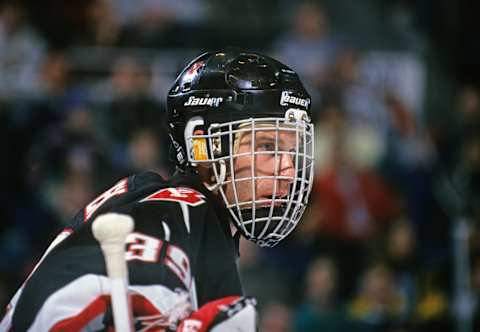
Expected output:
(265, 146)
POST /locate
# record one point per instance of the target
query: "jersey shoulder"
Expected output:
(145, 187)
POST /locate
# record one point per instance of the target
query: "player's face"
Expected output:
(264, 174)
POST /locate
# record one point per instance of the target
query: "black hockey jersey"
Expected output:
(181, 244)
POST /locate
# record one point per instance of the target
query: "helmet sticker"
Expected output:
(287, 99)
(178, 194)
(193, 71)
(206, 101)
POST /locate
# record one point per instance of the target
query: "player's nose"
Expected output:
(287, 167)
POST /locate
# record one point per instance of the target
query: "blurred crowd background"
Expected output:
(391, 239)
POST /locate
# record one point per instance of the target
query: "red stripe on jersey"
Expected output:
(178, 194)
(120, 188)
(142, 306)
(68, 230)
(76, 323)
(148, 314)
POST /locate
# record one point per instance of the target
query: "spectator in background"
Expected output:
(354, 202)
(309, 46)
(153, 23)
(378, 304)
(30, 218)
(360, 83)
(361, 103)
(320, 308)
(458, 144)
(132, 106)
(56, 92)
(247, 22)
(400, 253)
(5, 167)
(32, 115)
(276, 317)
(404, 147)
(70, 157)
(128, 107)
(472, 161)
(388, 138)
(21, 52)
(102, 24)
(432, 310)
(183, 11)
(410, 148)
(475, 278)
(145, 153)
(56, 78)
(69, 194)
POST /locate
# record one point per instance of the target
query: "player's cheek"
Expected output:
(265, 165)
(243, 167)
(241, 186)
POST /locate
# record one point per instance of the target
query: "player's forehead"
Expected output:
(285, 135)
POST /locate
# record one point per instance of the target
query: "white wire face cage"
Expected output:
(266, 176)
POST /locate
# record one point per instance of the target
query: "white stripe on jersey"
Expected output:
(193, 288)
(166, 230)
(186, 215)
(72, 299)
(7, 320)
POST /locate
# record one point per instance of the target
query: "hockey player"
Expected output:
(241, 134)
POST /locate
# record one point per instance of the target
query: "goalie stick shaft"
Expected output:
(111, 230)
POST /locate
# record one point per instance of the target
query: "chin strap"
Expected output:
(219, 179)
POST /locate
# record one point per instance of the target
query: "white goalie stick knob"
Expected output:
(111, 230)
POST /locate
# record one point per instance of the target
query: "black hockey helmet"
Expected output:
(224, 98)
(230, 85)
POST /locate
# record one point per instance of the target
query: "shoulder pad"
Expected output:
(140, 179)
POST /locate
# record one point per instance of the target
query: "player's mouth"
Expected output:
(268, 201)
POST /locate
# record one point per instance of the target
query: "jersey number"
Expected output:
(120, 188)
(147, 249)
